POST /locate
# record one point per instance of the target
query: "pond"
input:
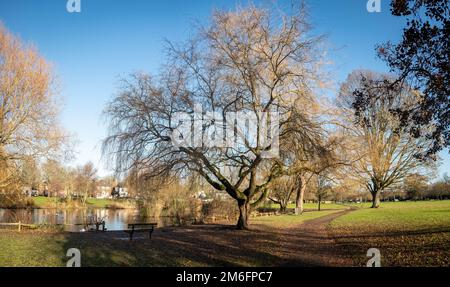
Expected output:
(115, 219)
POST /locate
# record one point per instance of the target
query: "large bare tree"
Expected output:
(387, 151)
(29, 125)
(247, 67)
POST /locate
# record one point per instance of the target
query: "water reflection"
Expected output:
(114, 219)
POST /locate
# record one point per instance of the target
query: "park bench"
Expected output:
(140, 227)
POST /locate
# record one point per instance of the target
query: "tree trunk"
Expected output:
(244, 213)
(319, 205)
(282, 207)
(375, 199)
(300, 195)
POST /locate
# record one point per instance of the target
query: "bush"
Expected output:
(220, 208)
(15, 201)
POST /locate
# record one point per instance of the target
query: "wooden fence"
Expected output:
(20, 225)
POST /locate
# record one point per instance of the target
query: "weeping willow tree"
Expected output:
(246, 68)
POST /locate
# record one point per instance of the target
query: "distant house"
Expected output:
(119, 192)
(103, 192)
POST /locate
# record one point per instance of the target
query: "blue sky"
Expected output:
(110, 39)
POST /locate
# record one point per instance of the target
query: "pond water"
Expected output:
(114, 219)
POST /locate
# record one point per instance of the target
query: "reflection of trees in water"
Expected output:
(114, 219)
(17, 215)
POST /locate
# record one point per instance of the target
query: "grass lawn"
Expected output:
(31, 249)
(407, 233)
(309, 206)
(45, 202)
(53, 202)
(289, 220)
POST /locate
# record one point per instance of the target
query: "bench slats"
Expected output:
(140, 227)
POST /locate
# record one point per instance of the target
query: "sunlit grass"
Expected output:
(309, 206)
(395, 216)
(31, 249)
(289, 220)
(53, 202)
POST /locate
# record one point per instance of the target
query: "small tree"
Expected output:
(415, 186)
(55, 177)
(282, 189)
(86, 180)
(322, 188)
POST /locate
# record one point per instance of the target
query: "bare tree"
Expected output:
(86, 180)
(28, 110)
(322, 188)
(415, 186)
(251, 60)
(55, 177)
(31, 174)
(310, 158)
(388, 152)
(281, 190)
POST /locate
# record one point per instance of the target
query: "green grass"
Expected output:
(309, 206)
(289, 220)
(100, 203)
(406, 233)
(42, 201)
(31, 249)
(53, 202)
(395, 216)
(37, 249)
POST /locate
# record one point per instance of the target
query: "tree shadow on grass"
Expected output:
(414, 248)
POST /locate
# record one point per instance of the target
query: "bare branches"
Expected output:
(388, 152)
(28, 108)
(245, 61)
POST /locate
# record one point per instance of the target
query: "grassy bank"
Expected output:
(53, 202)
(406, 233)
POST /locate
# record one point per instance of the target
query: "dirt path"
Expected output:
(311, 245)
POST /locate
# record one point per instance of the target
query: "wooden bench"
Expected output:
(140, 227)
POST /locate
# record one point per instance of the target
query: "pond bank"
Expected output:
(41, 202)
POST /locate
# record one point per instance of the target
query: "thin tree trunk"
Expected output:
(244, 213)
(319, 205)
